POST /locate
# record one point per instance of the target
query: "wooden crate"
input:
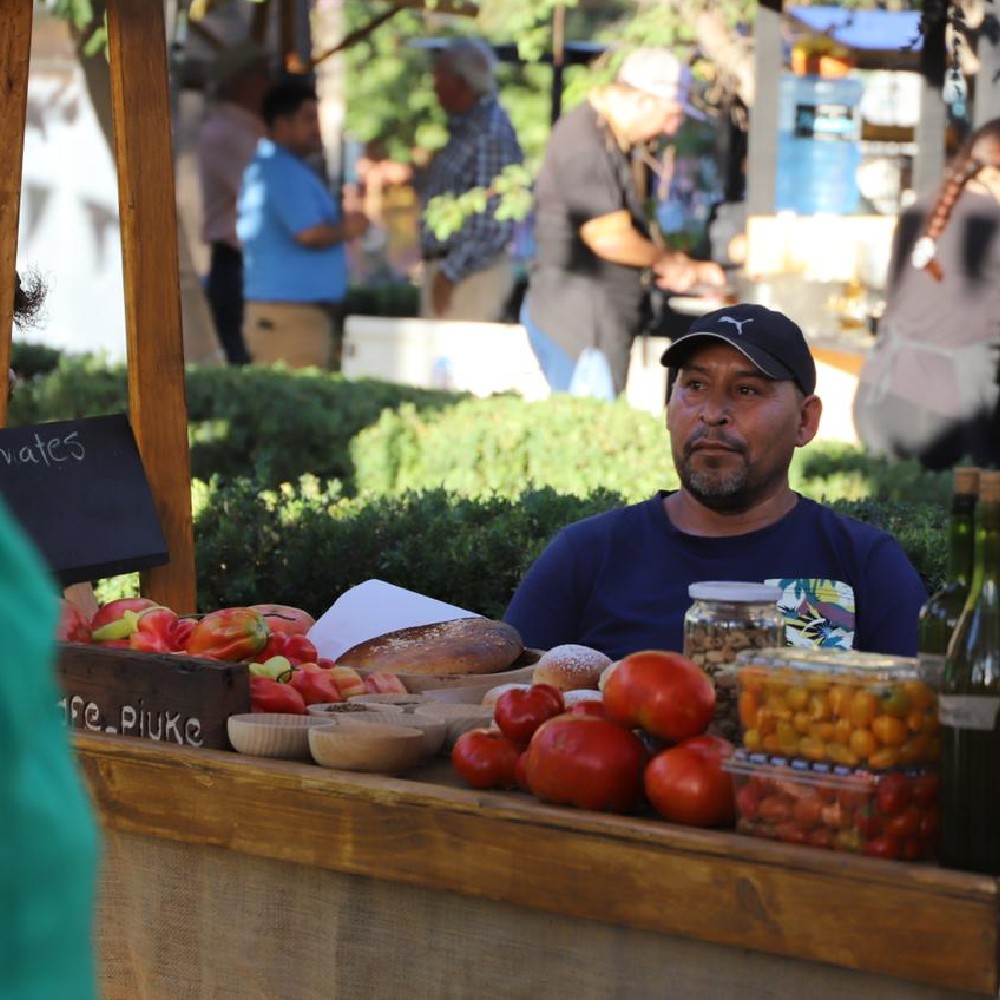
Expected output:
(180, 700)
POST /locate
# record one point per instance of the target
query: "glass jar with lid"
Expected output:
(726, 618)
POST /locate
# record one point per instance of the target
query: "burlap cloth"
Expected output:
(184, 922)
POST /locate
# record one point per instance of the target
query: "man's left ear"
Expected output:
(810, 411)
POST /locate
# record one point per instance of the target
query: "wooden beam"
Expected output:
(15, 51)
(147, 207)
(258, 21)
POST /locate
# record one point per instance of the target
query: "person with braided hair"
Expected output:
(929, 390)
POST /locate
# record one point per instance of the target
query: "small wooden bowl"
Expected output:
(272, 734)
(434, 730)
(387, 700)
(331, 711)
(460, 718)
(375, 748)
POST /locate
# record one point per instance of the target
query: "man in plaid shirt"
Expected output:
(468, 275)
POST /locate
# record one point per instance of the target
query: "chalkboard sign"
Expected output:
(79, 489)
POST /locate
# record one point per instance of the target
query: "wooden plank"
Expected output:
(147, 203)
(918, 923)
(15, 52)
(168, 698)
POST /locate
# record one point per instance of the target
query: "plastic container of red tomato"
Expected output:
(885, 814)
(860, 710)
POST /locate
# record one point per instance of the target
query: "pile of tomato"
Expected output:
(893, 815)
(643, 745)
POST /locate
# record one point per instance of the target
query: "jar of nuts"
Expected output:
(725, 619)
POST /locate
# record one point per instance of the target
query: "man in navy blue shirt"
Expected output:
(742, 399)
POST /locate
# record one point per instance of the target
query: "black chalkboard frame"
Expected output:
(79, 489)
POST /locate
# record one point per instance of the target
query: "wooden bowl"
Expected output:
(330, 711)
(434, 730)
(459, 718)
(375, 747)
(387, 700)
(272, 734)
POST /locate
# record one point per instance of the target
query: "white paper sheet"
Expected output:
(373, 608)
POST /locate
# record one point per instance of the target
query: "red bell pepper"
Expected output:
(284, 618)
(349, 681)
(181, 633)
(154, 631)
(73, 625)
(295, 648)
(111, 622)
(232, 634)
(268, 695)
(315, 686)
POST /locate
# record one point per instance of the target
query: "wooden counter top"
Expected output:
(918, 923)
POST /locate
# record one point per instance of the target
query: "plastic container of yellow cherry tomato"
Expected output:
(859, 710)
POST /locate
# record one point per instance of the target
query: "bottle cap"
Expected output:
(729, 590)
(966, 480)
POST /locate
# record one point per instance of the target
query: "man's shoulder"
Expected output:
(861, 533)
(608, 522)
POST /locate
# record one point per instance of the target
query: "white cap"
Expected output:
(731, 590)
(659, 72)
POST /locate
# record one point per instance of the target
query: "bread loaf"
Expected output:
(570, 667)
(460, 646)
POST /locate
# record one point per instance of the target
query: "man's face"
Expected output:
(451, 90)
(657, 117)
(733, 430)
(300, 132)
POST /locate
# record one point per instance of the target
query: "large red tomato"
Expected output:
(520, 711)
(713, 746)
(485, 758)
(664, 693)
(582, 761)
(689, 786)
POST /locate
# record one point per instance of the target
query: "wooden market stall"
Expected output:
(231, 876)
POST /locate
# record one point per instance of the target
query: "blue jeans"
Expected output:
(589, 375)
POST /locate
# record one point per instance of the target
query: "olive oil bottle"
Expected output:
(969, 707)
(940, 614)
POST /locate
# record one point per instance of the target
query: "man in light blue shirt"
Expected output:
(293, 235)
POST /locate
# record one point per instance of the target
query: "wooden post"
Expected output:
(147, 206)
(558, 61)
(986, 103)
(762, 151)
(929, 162)
(15, 51)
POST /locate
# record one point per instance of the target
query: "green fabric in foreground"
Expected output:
(48, 839)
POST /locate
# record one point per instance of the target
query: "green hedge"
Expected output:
(306, 545)
(274, 426)
(439, 492)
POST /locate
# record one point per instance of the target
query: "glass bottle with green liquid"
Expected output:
(940, 614)
(969, 706)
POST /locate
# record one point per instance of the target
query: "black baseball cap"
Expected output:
(772, 341)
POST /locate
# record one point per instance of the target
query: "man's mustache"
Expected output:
(713, 437)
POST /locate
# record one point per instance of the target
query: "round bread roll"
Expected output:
(460, 646)
(570, 667)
